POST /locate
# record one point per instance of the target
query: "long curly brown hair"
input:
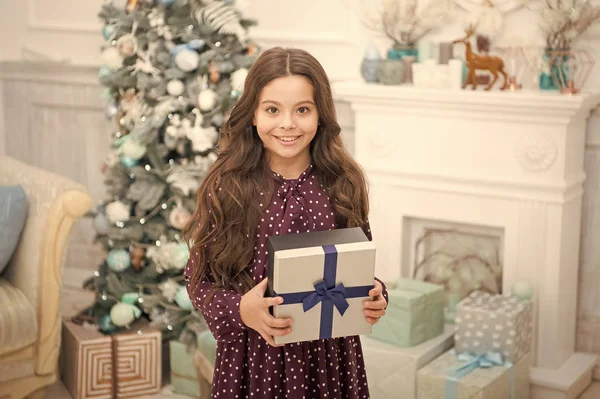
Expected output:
(222, 230)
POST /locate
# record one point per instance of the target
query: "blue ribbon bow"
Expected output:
(337, 295)
(472, 362)
(327, 293)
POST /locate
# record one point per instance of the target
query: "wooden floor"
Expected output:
(74, 298)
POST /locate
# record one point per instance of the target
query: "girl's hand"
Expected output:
(254, 312)
(375, 308)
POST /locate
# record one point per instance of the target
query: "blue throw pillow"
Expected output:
(13, 212)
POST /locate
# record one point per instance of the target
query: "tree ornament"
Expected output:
(179, 217)
(214, 74)
(127, 45)
(117, 211)
(122, 314)
(182, 299)
(108, 31)
(165, 2)
(175, 87)
(106, 325)
(169, 289)
(238, 79)
(138, 260)
(131, 5)
(111, 58)
(111, 110)
(118, 260)
(172, 255)
(207, 99)
(203, 139)
(133, 149)
(128, 162)
(101, 224)
(187, 60)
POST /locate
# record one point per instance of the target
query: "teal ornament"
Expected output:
(185, 56)
(183, 254)
(128, 162)
(165, 2)
(104, 72)
(101, 224)
(122, 314)
(118, 260)
(108, 30)
(130, 298)
(106, 325)
(370, 64)
(107, 94)
(183, 299)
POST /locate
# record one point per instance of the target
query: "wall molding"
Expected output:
(63, 26)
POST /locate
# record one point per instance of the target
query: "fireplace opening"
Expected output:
(461, 257)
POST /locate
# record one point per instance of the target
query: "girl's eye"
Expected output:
(303, 110)
(271, 110)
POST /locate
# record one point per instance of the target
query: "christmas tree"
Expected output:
(171, 71)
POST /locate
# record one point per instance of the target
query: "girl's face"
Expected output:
(286, 120)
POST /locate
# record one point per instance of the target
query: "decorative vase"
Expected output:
(546, 80)
(391, 72)
(370, 64)
(401, 50)
(570, 69)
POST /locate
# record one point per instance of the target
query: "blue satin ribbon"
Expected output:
(472, 362)
(327, 293)
(191, 45)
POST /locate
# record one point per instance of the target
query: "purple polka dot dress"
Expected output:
(246, 366)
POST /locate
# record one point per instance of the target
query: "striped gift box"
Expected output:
(88, 358)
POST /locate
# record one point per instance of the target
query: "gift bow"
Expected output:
(337, 295)
(191, 45)
(472, 362)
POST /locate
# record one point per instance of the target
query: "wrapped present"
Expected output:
(498, 323)
(184, 376)
(88, 360)
(415, 314)
(392, 371)
(323, 277)
(468, 376)
(207, 344)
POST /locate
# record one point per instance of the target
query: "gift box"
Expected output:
(324, 277)
(498, 323)
(88, 360)
(415, 314)
(184, 376)
(392, 371)
(467, 376)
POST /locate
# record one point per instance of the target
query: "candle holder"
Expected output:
(570, 69)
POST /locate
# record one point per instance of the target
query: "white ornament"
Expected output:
(133, 149)
(169, 289)
(175, 87)
(111, 58)
(117, 212)
(187, 60)
(179, 217)
(207, 99)
(238, 78)
(144, 64)
(169, 256)
(203, 139)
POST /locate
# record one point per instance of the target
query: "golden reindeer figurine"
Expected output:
(481, 62)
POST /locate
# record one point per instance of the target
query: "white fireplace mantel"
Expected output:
(506, 160)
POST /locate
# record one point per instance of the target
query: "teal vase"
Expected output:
(547, 82)
(399, 51)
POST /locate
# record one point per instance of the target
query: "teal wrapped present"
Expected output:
(415, 314)
(184, 377)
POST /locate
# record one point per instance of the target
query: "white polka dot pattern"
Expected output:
(486, 322)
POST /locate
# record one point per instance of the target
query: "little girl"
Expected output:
(281, 169)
